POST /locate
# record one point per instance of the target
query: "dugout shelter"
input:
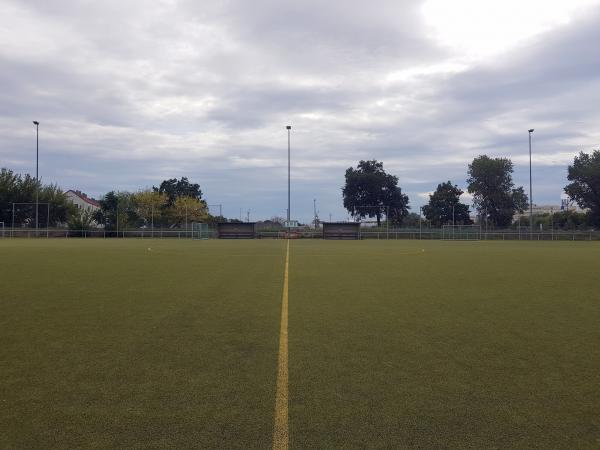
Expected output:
(243, 230)
(341, 230)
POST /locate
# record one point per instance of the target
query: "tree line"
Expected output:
(369, 191)
(18, 194)
(174, 204)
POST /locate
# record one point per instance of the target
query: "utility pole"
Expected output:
(289, 129)
(453, 222)
(37, 178)
(530, 191)
(420, 222)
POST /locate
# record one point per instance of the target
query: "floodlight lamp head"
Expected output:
(35, 122)
(289, 127)
(531, 130)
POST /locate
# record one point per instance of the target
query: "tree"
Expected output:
(412, 220)
(60, 206)
(17, 188)
(371, 192)
(570, 220)
(444, 206)
(585, 186)
(494, 195)
(117, 211)
(149, 205)
(187, 209)
(174, 189)
(81, 220)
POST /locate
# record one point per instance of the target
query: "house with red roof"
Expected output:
(82, 201)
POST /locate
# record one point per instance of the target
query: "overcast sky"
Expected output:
(130, 93)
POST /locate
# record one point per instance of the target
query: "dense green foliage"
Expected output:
(494, 194)
(81, 220)
(561, 220)
(444, 206)
(412, 220)
(371, 192)
(151, 208)
(17, 188)
(174, 188)
(584, 188)
(118, 211)
(106, 344)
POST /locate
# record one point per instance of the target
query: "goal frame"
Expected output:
(34, 206)
(200, 231)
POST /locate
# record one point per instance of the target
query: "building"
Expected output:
(82, 201)
(540, 210)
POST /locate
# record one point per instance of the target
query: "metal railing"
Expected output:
(392, 234)
(100, 233)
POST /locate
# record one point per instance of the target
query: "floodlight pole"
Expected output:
(289, 129)
(37, 179)
(453, 222)
(387, 223)
(530, 191)
(420, 222)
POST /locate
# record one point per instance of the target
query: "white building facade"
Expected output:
(82, 202)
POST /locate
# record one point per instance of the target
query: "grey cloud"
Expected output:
(129, 94)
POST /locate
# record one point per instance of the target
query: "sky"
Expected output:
(131, 93)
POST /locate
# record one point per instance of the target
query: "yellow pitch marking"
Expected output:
(280, 433)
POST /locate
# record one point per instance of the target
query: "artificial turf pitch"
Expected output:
(106, 344)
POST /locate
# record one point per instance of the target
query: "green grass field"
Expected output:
(106, 344)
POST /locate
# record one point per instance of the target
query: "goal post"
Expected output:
(200, 231)
(30, 218)
(461, 232)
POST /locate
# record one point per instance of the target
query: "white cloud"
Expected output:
(476, 28)
(131, 93)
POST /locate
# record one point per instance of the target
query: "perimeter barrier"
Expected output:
(310, 233)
